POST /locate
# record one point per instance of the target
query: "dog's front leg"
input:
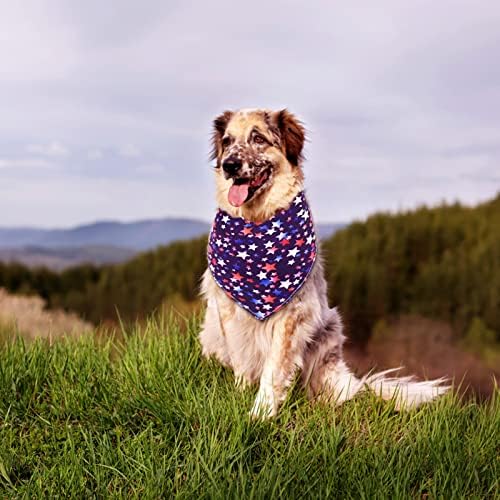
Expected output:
(280, 366)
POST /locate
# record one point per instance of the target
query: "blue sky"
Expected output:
(106, 107)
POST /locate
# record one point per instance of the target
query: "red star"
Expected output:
(311, 257)
(247, 230)
(274, 279)
(237, 276)
(300, 242)
(270, 267)
(285, 242)
(269, 299)
(258, 235)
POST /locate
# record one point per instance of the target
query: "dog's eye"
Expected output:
(226, 141)
(258, 139)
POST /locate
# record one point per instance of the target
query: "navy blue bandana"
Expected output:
(261, 266)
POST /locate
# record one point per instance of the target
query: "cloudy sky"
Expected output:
(106, 107)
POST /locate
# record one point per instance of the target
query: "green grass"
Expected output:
(150, 418)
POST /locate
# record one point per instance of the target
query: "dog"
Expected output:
(258, 174)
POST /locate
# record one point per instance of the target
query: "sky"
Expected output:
(106, 107)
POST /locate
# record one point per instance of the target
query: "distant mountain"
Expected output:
(325, 230)
(140, 235)
(64, 257)
(102, 242)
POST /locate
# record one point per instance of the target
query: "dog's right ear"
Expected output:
(219, 128)
(292, 134)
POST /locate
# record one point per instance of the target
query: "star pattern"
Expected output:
(251, 261)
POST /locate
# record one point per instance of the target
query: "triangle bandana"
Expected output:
(261, 266)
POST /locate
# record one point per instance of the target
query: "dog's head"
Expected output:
(258, 154)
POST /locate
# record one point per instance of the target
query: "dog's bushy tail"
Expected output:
(406, 392)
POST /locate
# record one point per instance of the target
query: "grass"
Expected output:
(149, 418)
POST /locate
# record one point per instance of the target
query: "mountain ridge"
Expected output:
(103, 241)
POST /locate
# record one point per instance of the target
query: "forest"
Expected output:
(441, 262)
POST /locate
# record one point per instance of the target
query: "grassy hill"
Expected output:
(148, 418)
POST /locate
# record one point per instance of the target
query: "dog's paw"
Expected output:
(264, 407)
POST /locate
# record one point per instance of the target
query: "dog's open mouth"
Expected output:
(243, 189)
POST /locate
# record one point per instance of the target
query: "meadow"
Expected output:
(141, 415)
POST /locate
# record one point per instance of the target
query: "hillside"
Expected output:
(148, 418)
(28, 317)
(441, 262)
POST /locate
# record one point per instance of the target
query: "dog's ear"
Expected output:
(292, 134)
(219, 128)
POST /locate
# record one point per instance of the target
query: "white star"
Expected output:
(269, 244)
(271, 231)
(252, 247)
(218, 242)
(262, 275)
(221, 262)
(306, 215)
(285, 284)
(291, 262)
(277, 223)
(293, 252)
(300, 213)
(297, 200)
(271, 250)
(266, 306)
(242, 255)
(225, 218)
(281, 236)
(309, 240)
(296, 282)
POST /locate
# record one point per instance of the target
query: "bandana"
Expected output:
(261, 266)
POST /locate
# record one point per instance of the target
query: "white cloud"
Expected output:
(53, 148)
(151, 168)
(25, 163)
(94, 154)
(129, 151)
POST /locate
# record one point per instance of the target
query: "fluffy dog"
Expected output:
(258, 173)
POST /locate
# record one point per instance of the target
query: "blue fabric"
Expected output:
(261, 266)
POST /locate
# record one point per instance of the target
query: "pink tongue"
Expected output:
(238, 194)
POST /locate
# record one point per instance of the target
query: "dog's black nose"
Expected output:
(231, 166)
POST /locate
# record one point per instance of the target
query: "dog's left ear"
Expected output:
(219, 128)
(292, 134)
